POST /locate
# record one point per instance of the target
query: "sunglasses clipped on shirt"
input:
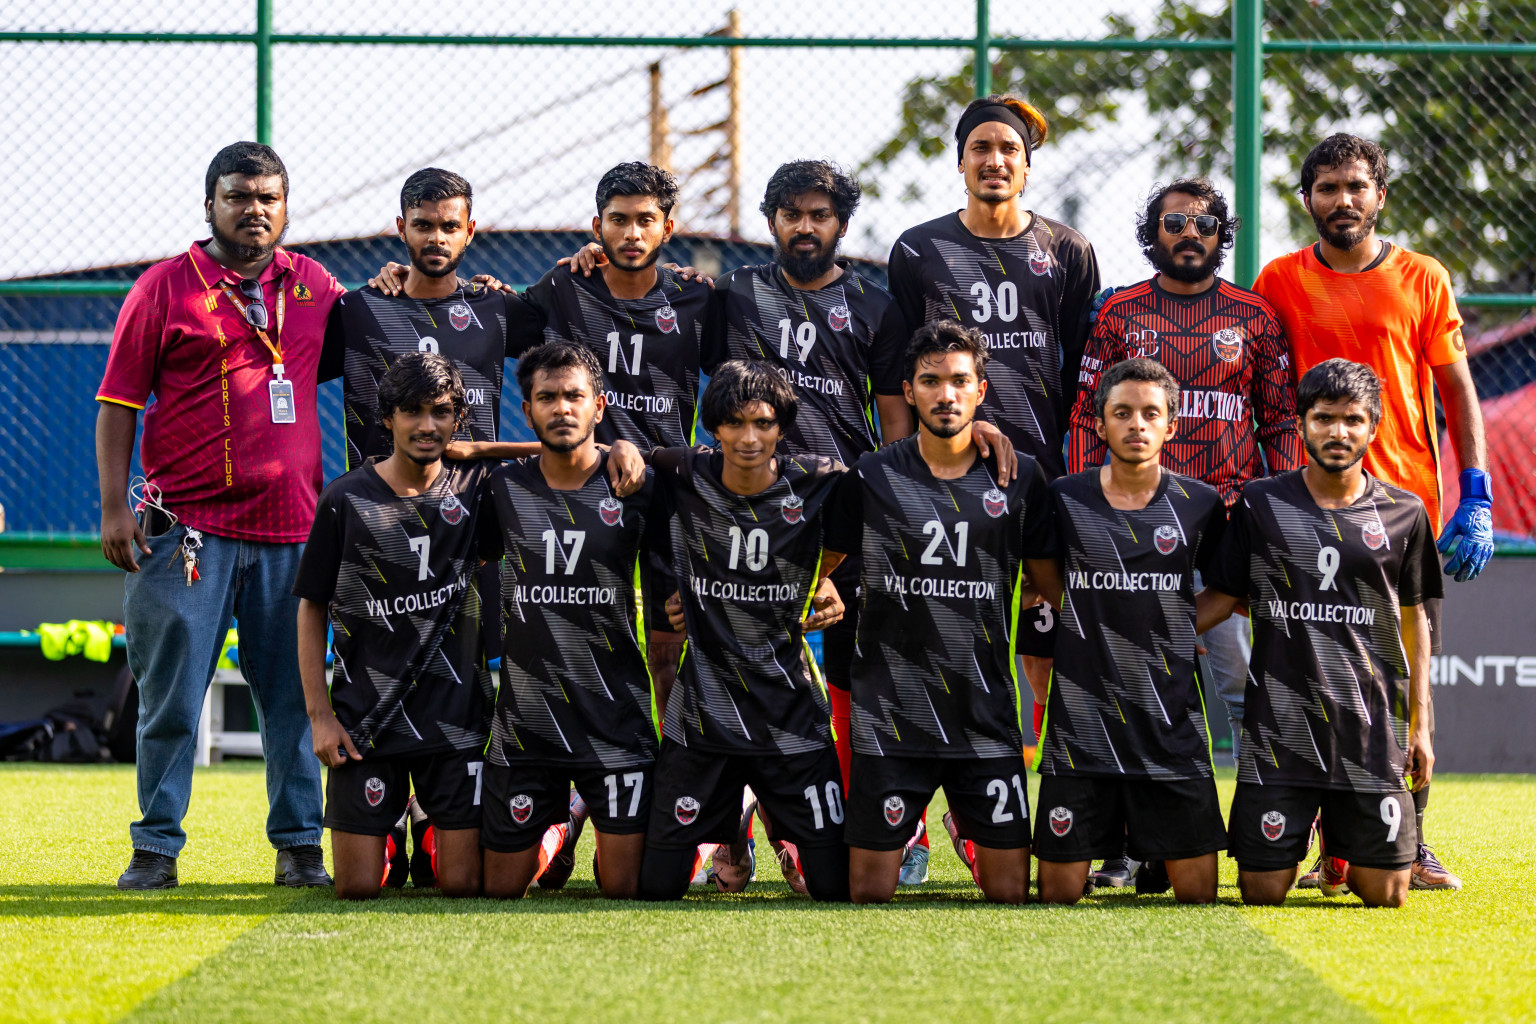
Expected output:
(256, 306)
(1205, 223)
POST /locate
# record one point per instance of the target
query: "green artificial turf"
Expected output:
(229, 946)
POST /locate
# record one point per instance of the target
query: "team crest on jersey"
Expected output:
(1374, 534)
(1040, 263)
(1061, 820)
(521, 807)
(666, 320)
(839, 317)
(373, 791)
(895, 810)
(302, 293)
(1228, 343)
(685, 810)
(611, 511)
(458, 315)
(793, 508)
(452, 510)
(1273, 825)
(1166, 538)
(995, 502)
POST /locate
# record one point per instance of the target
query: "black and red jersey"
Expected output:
(1226, 348)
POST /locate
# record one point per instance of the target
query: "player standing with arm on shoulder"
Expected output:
(390, 563)
(1355, 296)
(1336, 567)
(935, 691)
(1125, 757)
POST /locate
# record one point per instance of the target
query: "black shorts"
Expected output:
(367, 797)
(1081, 818)
(657, 583)
(698, 797)
(1037, 631)
(1270, 825)
(522, 800)
(989, 797)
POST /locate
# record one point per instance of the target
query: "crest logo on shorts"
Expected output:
(458, 315)
(793, 509)
(1061, 820)
(1040, 263)
(685, 810)
(521, 807)
(373, 790)
(895, 810)
(1166, 538)
(995, 502)
(1374, 535)
(666, 320)
(1228, 343)
(838, 317)
(452, 510)
(1273, 825)
(611, 511)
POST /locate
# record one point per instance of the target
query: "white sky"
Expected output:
(110, 144)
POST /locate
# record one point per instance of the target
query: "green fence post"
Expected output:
(1247, 129)
(983, 47)
(264, 72)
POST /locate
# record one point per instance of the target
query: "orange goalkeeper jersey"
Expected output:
(1399, 318)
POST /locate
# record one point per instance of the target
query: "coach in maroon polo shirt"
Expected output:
(226, 337)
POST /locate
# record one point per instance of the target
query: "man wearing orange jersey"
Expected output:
(1355, 296)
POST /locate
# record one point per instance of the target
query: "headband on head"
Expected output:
(981, 114)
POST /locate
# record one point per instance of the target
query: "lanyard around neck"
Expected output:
(276, 348)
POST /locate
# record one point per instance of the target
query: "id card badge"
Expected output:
(281, 392)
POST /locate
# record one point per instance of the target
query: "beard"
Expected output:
(645, 261)
(1349, 234)
(454, 259)
(564, 447)
(1162, 258)
(801, 266)
(242, 252)
(942, 429)
(1315, 454)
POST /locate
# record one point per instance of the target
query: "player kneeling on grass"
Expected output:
(576, 700)
(1336, 567)
(392, 553)
(744, 529)
(1125, 759)
(935, 691)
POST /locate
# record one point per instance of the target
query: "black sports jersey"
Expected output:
(650, 350)
(475, 328)
(746, 567)
(1228, 352)
(933, 674)
(410, 675)
(1327, 698)
(1124, 697)
(575, 688)
(825, 342)
(1029, 294)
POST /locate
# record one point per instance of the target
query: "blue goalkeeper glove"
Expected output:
(1470, 531)
(1099, 300)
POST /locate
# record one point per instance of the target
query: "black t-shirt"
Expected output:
(1125, 699)
(475, 328)
(825, 341)
(746, 568)
(1029, 294)
(650, 350)
(933, 675)
(574, 684)
(1327, 697)
(410, 676)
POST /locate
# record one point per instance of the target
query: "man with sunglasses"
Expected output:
(1237, 399)
(227, 337)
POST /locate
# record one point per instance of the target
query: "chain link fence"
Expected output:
(117, 108)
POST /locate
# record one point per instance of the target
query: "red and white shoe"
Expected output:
(1333, 879)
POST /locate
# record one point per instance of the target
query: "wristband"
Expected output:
(1476, 485)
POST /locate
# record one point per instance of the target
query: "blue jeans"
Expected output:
(174, 634)
(1229, 646)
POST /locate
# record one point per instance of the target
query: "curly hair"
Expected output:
(419, 378)
(798, 177)
(638, 179)
(1197, 188)
(1340, 149)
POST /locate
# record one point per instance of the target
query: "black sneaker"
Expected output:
(423, 847)
(397, 858)
(1116, 873)
(149, 870)
(1152, 879)
(301, 867)
(564, 861)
